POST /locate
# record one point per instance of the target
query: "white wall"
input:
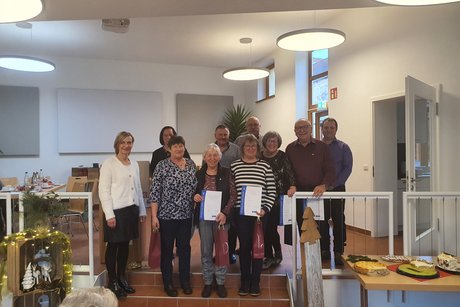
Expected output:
(100, 74)
(383, 46)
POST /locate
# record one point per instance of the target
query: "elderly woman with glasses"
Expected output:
(214, 177)
(251, 171)
(285, 185)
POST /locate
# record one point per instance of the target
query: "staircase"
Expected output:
(149, 292)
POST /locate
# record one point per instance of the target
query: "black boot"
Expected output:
(170, 290)
(116, 289)
(123, 283)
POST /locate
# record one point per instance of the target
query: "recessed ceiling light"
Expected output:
(24, 63)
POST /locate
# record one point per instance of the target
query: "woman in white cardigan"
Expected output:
(123, 204)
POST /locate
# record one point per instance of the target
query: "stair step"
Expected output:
(149, 292)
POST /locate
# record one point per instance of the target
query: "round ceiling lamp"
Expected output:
(23, 63)
(245, 73)
(416, 2)
(18, 10)
(310, 39)
(248, 72)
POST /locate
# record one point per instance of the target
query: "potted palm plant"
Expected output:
(235, 120)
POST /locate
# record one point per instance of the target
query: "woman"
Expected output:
(162, 153)
(171, 198)
(285, 184)
(251, 171)
(123, 205)
(214, 177)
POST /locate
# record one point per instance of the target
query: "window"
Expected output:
(266, 86)
(318, 88)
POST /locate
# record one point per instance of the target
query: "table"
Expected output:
(395, 281)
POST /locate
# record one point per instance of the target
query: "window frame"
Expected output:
(267, 84)
(313, 109)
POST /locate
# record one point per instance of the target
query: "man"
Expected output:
(335, 208)
(230, 151)
(252, 127)
(312, 165)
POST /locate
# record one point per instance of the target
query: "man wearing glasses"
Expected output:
(312, 164)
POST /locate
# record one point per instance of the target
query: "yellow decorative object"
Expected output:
(16, 251)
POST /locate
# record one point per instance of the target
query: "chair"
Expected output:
(78, 207)
(10, 181)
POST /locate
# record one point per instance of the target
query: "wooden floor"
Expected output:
(357, 243)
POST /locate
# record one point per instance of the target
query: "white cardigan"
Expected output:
(120, 186)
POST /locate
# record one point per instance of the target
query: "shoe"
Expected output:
(125, 286)
(267, 263)
(278, 257)
(221, 291)
(244, 290)
(338, 259)
(255, 290)
(325, 255)
(206, 291)
(116, 289)
(170, 291)
(187, 288)
(232, 259)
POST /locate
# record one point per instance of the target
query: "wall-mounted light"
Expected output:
(24, 63)
(18, 10)
(246, 73)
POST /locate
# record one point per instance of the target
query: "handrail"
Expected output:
(336, 195)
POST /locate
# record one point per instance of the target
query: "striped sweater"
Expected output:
(258, 173)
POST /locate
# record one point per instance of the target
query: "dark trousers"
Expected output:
(232, 233)
(116, 259)
(271, 235)
(334, 209)
(179, 231)
(250, 268)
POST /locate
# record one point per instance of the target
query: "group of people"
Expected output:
(175, 197)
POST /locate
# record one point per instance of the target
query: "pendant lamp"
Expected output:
(416, 2)
(248, 72)
(24, 63)
(18, 10)
(311, 39)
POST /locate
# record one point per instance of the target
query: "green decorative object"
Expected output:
(235, 120)
(40, 210)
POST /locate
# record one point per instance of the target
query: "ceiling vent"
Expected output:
(117, 25)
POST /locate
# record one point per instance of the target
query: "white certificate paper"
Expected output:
(210, 205)
(317, 205)
(285, 210)
(251, 200)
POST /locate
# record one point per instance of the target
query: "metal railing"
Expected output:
(366, 197)
(431, 223)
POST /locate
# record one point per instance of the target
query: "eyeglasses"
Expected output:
(302, 127)
(250, 146)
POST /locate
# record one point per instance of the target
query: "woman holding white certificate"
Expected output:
(215, 195)
(254, 180)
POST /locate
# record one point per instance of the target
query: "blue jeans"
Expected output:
(179, 231)
(207, 230)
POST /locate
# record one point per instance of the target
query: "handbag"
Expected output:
(221, 246)
(258, 251)
(155, 249)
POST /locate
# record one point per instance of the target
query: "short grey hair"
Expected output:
(91, 297)
(210, 147)
(272, 134)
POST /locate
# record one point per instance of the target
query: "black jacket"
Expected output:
(223, 178)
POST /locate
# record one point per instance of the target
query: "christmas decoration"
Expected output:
(28, 281)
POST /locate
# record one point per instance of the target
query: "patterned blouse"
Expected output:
(282, 169)
(173, 189)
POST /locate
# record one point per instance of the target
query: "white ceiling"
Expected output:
(187, 32)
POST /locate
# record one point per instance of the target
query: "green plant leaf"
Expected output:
(235, 120)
